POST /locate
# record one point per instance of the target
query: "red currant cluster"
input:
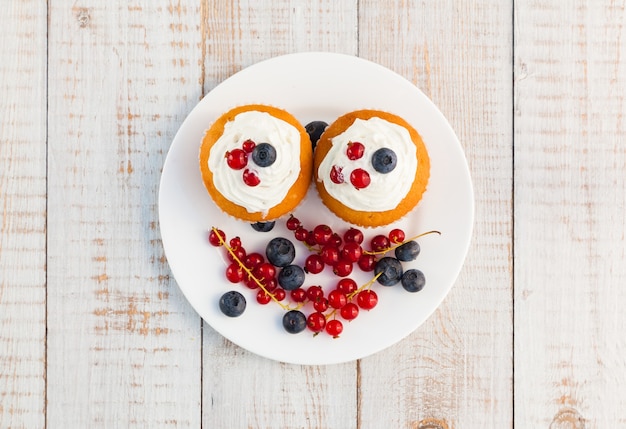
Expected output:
(237, 159)
(359, 178)
(341, 252)
(250, 269)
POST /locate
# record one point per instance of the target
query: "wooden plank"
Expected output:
(23, 214)
(268, 394)
(455, 371)
(124, 347)
(570, 199)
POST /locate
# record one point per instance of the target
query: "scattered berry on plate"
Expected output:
(413, 280)
(315, 129)
(334, 328)
(389, 271)
(232, 303)
(408, 251)
(291, 277)
(294, 321)
(263, 226)
(280, 251)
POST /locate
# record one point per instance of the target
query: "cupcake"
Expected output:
(256, 162)
(370, 167)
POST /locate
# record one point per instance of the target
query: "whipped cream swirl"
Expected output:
(385, 190)
(276, 179)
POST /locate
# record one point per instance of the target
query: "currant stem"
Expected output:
(249, 272)
(389, 249)
(365, 286)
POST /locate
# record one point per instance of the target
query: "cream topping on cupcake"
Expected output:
(270, 183)
(349, 175)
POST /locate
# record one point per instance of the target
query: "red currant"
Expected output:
(239, 252)
(349, 311)
(310, 239)
(293, 223)
(217, 237)
(251, 283)
(250, 178)
(336, 175)
(313, 293)
(379, 243)
(234, 273)
(367, 299)
(355, 150)
(316, 321)
(351, 251)
(329, 254)
(279, 294)
(335, 240)
(270, 285)
(360, 178)
(396, 236)
(367, 262)
(342, 267)
(298, 295)
(235, 243)
(253, 260)
(314, 264)
(321, 305)
(347, 286)
(236, 159)
(353, 235)
(322, 234)
(334, 327)
(248, 146)
(264, 271)
(337, 299)
(263, 297)
(301, 233)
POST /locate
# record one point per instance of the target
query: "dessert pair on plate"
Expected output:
(370, 167)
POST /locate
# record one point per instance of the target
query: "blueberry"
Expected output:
(384, 160)
(390, 269)
(232, 303)
(280, 252)
(413, 280)
(294, 321)
(264, 154)
(408, 251)
(263, 226)
(315, 130)
(291, 277)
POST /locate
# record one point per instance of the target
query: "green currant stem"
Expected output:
(248, 271)
(389, 249)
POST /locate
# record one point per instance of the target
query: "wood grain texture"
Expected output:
(123, 345)
(22, 214)
(240, 389)
(570, 211)
(455, 371)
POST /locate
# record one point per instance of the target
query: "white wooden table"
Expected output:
(94, 332)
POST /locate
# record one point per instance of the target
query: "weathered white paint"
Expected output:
(124, 347)
(570, 214)
(22, 214)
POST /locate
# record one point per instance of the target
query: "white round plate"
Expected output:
(315, 86)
